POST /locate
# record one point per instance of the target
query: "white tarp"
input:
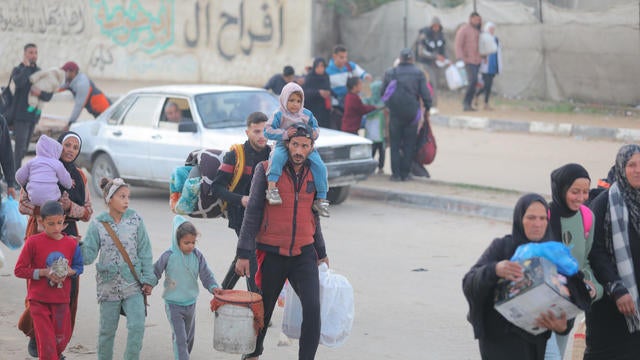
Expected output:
(588, 55)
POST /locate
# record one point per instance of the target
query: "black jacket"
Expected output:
(607, 334)
(312, 99)
(413, 78)
(496, 334)
(21, 74)
(235, 210)
(6, 154)
(429, 44)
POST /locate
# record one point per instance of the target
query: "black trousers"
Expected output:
(402, 137)
(302, 272)
(231, 279)
(379, 148)
(22, 131)
(486, 89)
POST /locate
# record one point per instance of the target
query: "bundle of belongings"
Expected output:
(551, 281)
(191, 190)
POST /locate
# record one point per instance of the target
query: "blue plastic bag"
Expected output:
(189, 196)
(14, 224)
(556, 252)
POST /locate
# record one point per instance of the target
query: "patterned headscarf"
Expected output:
(111, 188)
(630, 195)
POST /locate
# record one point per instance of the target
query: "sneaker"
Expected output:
(381, 171)
(409, 177)
(273, 196)
(33, 347)
(395, 178)
(322, 207)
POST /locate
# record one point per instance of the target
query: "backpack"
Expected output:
(400, 101)
(195, 180)
(587, 219)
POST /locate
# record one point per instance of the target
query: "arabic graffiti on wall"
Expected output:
(252, 24)
(62, 17)
(136, 25)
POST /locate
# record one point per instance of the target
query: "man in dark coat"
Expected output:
(403, 126)
(430, 47)
(24, 121)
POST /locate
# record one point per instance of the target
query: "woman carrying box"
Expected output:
(498, 338)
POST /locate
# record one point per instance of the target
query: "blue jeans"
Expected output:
(472, 76)
(279, 157)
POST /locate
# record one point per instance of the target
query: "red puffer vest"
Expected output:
(290, 226)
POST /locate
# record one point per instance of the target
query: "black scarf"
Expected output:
(517, 230)
(561, 180)
(77, 192)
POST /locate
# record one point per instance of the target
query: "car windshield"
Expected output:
(231, 109)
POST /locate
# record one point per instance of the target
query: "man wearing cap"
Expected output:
(403, 114)
(430, 50)
(24, 121)
(85, 93)
(287, 241)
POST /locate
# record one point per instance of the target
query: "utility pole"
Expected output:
(405, 21)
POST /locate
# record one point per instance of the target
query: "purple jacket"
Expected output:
(42, 174)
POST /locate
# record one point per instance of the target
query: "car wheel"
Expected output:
(102, 167)
(337, 195)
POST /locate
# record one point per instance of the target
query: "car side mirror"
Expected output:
(187, 126)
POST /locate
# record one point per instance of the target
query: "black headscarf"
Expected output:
(561, 180)
(517, 230)
(630, 195)
(77, 192)
(312, 99)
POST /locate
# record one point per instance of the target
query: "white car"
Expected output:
(133, 139)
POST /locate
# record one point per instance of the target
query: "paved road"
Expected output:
(400, 313)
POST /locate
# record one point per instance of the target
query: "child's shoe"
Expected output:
(273, 196)
(31, 109)
(322, 207)
(38, 111)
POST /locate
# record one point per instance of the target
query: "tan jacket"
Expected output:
(467, 39)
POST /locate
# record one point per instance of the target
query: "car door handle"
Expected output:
(117, 133)
(156, 137)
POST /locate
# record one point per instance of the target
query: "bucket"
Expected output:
(238, 318)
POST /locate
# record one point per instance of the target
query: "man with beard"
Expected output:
(253, 151)
(24, 121)
(467, 39)
(287, 240)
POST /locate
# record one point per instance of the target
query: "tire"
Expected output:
(337, 195)
(102, 167)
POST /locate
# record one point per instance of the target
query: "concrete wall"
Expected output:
(231, 41)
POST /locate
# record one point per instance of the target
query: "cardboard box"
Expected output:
(541, 289)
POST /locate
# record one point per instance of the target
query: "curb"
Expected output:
(537, 127)
(449, 204)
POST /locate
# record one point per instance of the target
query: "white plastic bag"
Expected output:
(456, 76)
(336, 309)
(14, 224)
